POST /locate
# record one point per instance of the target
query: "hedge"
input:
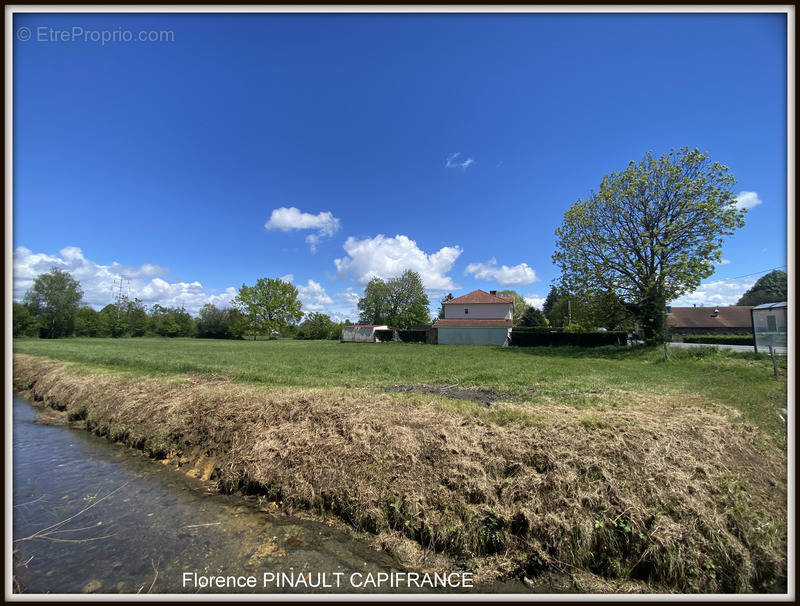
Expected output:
(537, 329)
(720, 339)
(580, 339)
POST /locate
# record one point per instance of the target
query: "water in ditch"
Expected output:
(92, 516)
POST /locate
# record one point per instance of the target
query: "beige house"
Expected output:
(477, 318)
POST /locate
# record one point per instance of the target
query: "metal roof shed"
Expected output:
(769, 326)
(361, 333)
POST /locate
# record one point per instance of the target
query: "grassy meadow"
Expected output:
(564, 375)
(611, 466)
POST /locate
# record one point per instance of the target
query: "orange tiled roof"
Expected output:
(478, 296)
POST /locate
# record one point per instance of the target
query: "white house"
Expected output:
(477, 318)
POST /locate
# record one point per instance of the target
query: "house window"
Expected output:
(466, 310)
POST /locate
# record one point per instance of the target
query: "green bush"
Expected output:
(720, 339)
(579, 339)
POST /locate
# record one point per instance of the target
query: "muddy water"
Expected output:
(92, 516)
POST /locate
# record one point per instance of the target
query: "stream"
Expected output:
(92, 516)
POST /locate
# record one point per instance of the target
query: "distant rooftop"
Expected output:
(478, 296)
(734, 316)
(771, 305)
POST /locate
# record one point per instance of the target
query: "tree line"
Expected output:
(53, 308)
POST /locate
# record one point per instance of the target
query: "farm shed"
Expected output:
(769, 326)
(361, 333)
(731, 320)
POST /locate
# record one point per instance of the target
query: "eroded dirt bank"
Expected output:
(671, 494)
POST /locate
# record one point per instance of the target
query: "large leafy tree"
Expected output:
(770, 288)
(269, 305)
(171, 322)
(520, 305)
(219, 323)
(316, 326)
(532, 317)
(650, 234)
(552, 298)
(408, 303)
(400, 302)
(53, 301)
(373, 307)
(24, 322)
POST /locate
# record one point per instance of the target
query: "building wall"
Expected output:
(765, 335)
(464, 335)
(479, 311)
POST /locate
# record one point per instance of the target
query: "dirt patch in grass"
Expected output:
(659, 494)
(482, 396)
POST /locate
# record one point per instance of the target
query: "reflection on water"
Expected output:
(94, 516)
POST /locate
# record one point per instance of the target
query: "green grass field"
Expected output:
(570, 376)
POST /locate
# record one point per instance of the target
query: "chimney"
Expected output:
(493, 292)
(716, 312)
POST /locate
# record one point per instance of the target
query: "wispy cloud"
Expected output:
(454, 162)
(291, 218)
(747, 199)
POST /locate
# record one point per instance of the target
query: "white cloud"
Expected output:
(724, 262)
(291, 218)
(505, 275)
(382, 257)
(453, 162)
(145, 271)
(314, 297)
(534, 300)
(100, 283)
(346, 307)
(747, 199)
(718, 292)
(349, 297)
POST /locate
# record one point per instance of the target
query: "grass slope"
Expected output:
(673, 493)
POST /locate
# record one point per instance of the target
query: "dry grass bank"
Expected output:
(671, 493)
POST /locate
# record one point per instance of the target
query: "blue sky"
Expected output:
(332, 148)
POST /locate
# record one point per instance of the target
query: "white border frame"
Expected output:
(788, 10)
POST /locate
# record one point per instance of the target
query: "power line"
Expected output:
(755, 273)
